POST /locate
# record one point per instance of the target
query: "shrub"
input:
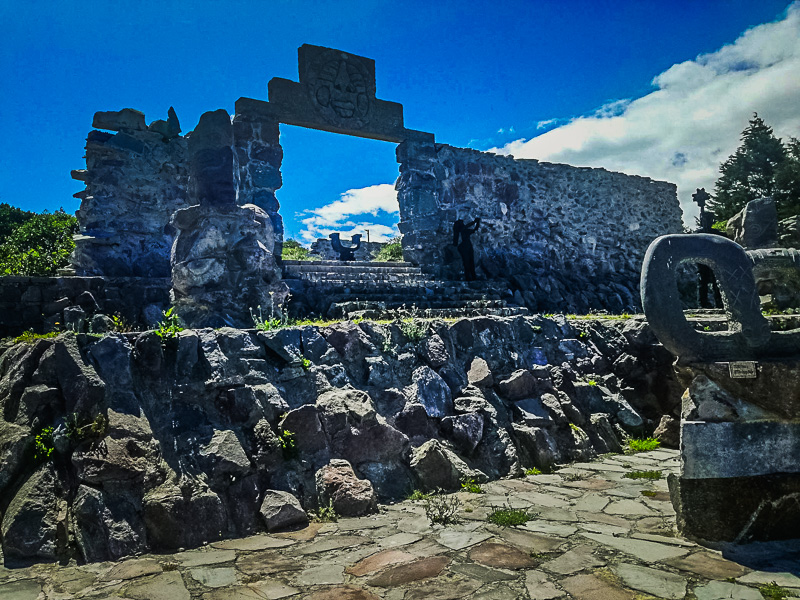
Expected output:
(43, 444)
(391, 252)
(325, 514)
(293, 250)
(418, 495)
(510, 517)
(39, 246)
(469, 485)
(170, 325)
(442, 509)
(643, 475)
(12, 217)
(533, 471)
(414, 329)
(772, 591)
(643, 445)
(288, 444)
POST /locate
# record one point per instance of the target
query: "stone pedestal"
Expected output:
(222, 266)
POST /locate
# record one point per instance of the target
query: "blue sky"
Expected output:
(661, 89)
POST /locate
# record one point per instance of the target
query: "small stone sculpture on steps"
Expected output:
(346, 253)
(705, 276)
(461, 234)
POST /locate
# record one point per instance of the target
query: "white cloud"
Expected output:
(692, 122)
(338, 216)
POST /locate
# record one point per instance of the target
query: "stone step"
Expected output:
(339, 263)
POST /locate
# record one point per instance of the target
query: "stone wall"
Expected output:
(135, 179)
(324, 249)
(568, 239)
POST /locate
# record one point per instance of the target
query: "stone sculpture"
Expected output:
(346, 253)
(461, 235)
(705, 277)
(222, 260)
(740, 435)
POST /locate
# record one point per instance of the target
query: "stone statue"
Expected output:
(705, 276)
(461, 234)
(346, 253)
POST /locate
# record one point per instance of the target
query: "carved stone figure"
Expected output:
(461, 235)
(705, 276)
(346, 253)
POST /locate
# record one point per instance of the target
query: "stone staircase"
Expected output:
(348, 289)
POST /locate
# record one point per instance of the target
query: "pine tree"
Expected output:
(787, 181)
(749, 173)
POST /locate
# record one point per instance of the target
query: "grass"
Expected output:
(510, 517)
(648, 493)
(533, 471)
(653, 475)
(469, 485)
(29, 337)
(772, 591)
(418, 495)
(643, 445)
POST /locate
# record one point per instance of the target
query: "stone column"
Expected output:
(222, 259)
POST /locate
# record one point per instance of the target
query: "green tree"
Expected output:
(293, 250)
(749, 173)
(787, 181)
(11, 217)
(39, 246)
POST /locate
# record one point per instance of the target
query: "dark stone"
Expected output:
(756, 225)
(211, 160)
(465, 431)
(108, 525)
(281, 510)
(668, 432)
(350, 496)
(168, 509)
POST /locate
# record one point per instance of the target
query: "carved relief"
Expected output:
(339, 87)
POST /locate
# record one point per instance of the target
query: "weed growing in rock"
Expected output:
(91, 430)
(643, 475)
(267, 324)
(170, 325)
(536, 328)
(575, 428)
(510, 517)
(418, 495)
(533, 471)
(120, 324)
(414, 329)
(648, 493)
(442, 509)
(288, 444)
(469, 485)
(643, 445)
(325, 514)
(29, 337)
(306, 364)
(772, 591)
(43, 444)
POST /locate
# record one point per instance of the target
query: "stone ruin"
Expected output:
(740, 477)
(558, 238)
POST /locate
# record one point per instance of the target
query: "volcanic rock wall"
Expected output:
(568, 239)
(167, 443)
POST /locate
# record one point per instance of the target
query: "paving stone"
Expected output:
(267, 563)
(334, 542)
(378, 561)
(419, 524)
(527, 540)
(363, 523)
(493, 554)
(604, 518)
(782, 579)
(399, 539)
(579, 558)
(214, 577)
(72, 580)
(716, 590)
(555, 514)
(627, 507)
(254, 542)
(196, 558)
(166, 586)
(663, 539)
(540, 587)
(601, 466)
(425, 547)
(603, 528)
(591, 502)
(413, 571)
(593, 483)
(261, 590)
(345, 592)
(458, 540)
(655, 526)
(22, 589)
(590, 587)
(131, 569)
(655, 582)
(540, 499)
(321, 575)
(496, 592)
(481, 573)
(443, 590)
(309, 532)
(557, 529)
(644, 551)
(707, 565)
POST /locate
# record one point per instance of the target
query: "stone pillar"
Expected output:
(257, 161)
(222, 259)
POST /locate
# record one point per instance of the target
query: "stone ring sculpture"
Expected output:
(748, 336)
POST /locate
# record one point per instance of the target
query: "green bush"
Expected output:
(293, 250)
(441, 509)
(643, 445)
(43, 444)
(170, 325)
(643, 475)
(391, 252)
(510, 517)
(12, 217)
(39, 246)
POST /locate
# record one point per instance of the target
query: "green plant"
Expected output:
(43, 444)
(170, 324)
(583, 335)
(94, 429)
(414, 329)
(267, 324)
(442, 509)
(418, 495)
(293, 250)
(120, 324)
(306, 364)
(643, 475)
(29, 337)
(325, 514)
(533, 471)
(575, 428)
(470, 485)
(391, 252)
(643, 445)
(288, 444)
(40, 245)
(721, 226)
(772, 591)
(510, 517)
(648, 493)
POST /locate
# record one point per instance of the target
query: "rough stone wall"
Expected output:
(323, 248)
(567, 238)
(257, 157)
(135, 179)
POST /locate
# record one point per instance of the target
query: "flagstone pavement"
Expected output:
(596, 536)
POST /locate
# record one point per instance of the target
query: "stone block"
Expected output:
(127, 119)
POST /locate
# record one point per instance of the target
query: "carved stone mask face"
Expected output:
(340, 90)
